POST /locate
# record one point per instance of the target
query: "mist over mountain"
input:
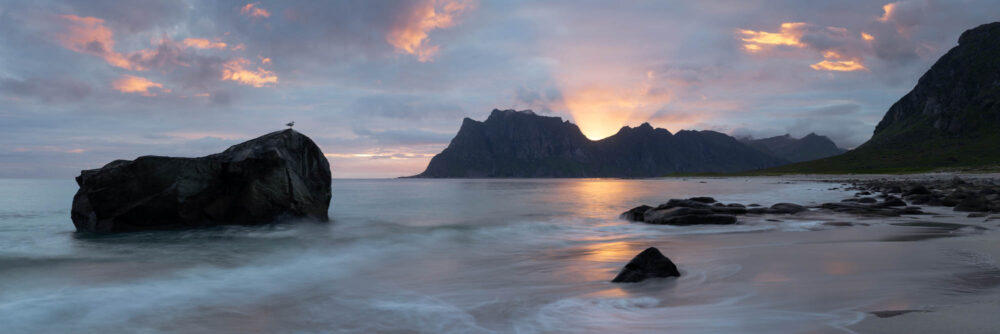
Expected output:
(810, 147)
(513, 143)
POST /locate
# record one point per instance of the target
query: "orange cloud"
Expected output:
(237, 70)
(89, 35)
(134, 84)
(833, 64)
(254, 10)
(888, 9)
(790, 34)
(201, 43)
(411, 35)
(265, 60)
(839, 66)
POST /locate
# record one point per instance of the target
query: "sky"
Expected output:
(382, 86)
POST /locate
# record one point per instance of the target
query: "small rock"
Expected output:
(648, 264)
(786, 208)
(917, 190)
(702, 199)
(973, 203)
(867, 200)
(892, 201)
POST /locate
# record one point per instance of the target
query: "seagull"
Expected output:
(290, 124)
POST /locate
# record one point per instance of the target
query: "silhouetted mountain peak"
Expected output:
(523, 144)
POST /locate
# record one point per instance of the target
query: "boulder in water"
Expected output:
(648, 264)
(280, 174)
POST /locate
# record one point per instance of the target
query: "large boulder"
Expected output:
(281, 174)
(648, 264)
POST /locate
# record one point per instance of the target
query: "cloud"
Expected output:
(411, 34)
(789, 35)
(838, 66)
(134, 84)
(89, 35)
(404, 136)
(239, 70)
(254, 10)
(45, 89)
(201, 43)
(840, 50)
(403, 107)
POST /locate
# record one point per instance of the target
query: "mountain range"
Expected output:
(951, 118)
(810, 147)
(513, 143)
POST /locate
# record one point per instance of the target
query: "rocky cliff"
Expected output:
(950, 119)
(522, 144)
(281, 174)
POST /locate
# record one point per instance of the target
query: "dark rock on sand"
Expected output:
(648, 264)
(687, 216)
(699, 219)
(892, 201)
(707, 200)
(973, 204)
(660, 216)
(918, 189)
(786, 208)
(281, 174)
(687, 203)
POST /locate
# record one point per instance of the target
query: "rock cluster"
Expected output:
(701, 210)
(964, 195)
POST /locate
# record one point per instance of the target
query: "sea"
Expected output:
(478, 256)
